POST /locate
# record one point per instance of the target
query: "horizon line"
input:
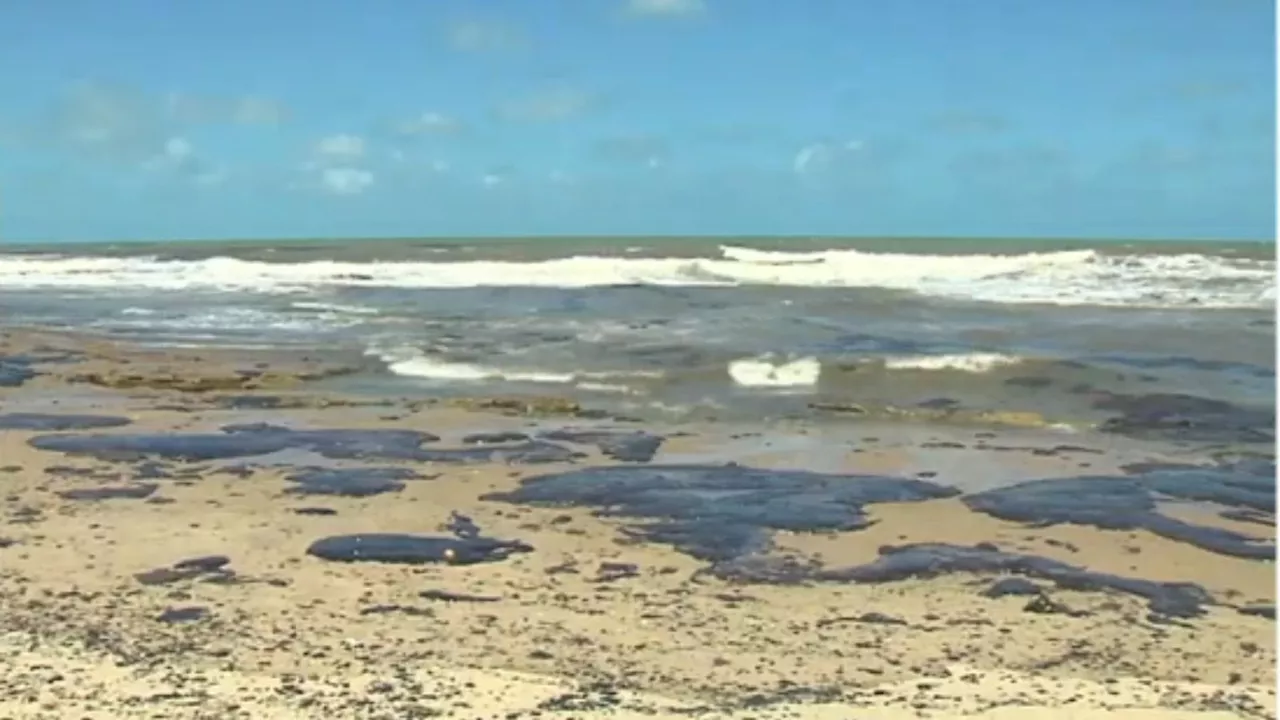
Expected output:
(496, 239)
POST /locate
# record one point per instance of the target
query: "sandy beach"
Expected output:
(638, 359)
(101, 618)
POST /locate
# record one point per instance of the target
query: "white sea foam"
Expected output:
(334, 308)
(609, 388)
(222, 319)
(765, 372)
(432, 369)
(408, 362)
(964, 362)
(1077, 277)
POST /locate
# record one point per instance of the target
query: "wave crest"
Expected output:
(1076, 277)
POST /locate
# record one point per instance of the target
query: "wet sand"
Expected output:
(590, 622)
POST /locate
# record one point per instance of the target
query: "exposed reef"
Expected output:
(208, 568)
(140, 491)
(923, 560)
(1132, 503)
(466, 546)
(634, 446)
(350, 482)
(232, 379)
(527, 406)
(1262, 611)
(720, 512)
(1179, 417)
(256, 439)
(1012, 586)
(494, 438)
(624, 446)
(46, 422)
(725, 515)
(15, 371)
(414, 549)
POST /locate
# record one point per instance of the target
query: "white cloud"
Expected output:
(253, 110)
(110, 121)
(485, 36)
(499, 175)
(123, 125)
(428, 123)
(665, 8)
(187, 108)
(345, 180)
(336, 165)
(969, 123)
(816, 157)
(808, 156)
(341, 147)
(212, 177)
(631, 149)
(178, 148)
(179, 158)
(549, 104)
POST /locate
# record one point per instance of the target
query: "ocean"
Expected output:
(699, 468)
(700, 328)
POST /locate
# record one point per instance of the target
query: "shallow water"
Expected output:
(657, 328)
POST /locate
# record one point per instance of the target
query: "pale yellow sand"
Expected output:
(78, 635)
(89, 686)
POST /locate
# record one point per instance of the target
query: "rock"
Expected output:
(493, 438)
(449, 596)
(1181, 417)
(1263, 611)
(184, 614)
(1042, 604)
(46, 422)
(614, 571)
(255, 439)
(111, 492)
(521, 405)
(14, 372)
(351, 482)
(184, 380)
(621, 445)
(414, 549)
(1012, 586)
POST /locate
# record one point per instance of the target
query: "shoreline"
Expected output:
(1058, 397)
(592, 619)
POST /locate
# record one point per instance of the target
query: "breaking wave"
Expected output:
(769, 372)
(1077, 277)
(764, 372)
(411, 363)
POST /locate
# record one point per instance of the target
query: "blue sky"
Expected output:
(160, 119)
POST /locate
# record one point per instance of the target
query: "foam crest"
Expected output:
(765, 372)
(407, 362)
(222, 319)
(962, 362)
(431, 369)
(1077, 277)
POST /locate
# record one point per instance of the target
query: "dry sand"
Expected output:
(296, 637)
